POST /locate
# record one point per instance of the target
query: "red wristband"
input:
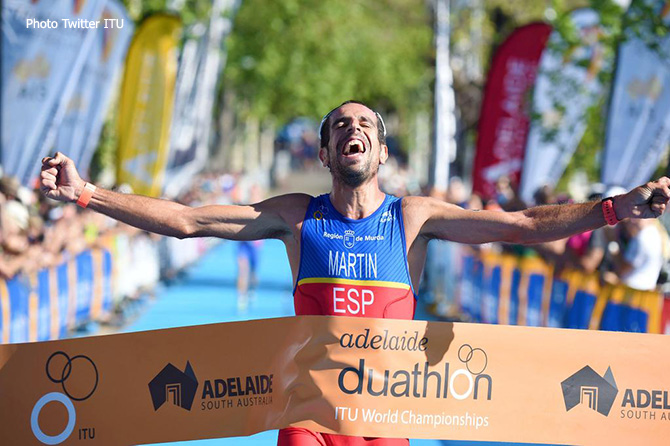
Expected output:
(86, 195)
(608, 211)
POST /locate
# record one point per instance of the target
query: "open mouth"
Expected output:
(353, 147)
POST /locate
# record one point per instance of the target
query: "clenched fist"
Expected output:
(647, 201)
(59, 179)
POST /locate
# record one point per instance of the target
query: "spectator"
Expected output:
(504, 190)
(544, 195)
(640, 263)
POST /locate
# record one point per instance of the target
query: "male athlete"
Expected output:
(354, 251)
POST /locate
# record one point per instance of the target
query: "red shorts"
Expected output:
(295, 436)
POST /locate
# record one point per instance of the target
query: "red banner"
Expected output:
(665, 316)
(504, 119)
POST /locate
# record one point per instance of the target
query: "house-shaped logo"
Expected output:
(588, 387)
(174, 386)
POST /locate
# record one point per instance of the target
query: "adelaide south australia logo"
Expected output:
(590, 389)
(174, 386)
(77, 377)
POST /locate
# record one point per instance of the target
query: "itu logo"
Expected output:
(349, 238)
(78, 377)
(473, 357)
(174, 386)
(589, 388)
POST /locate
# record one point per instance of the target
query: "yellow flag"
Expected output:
(146, 104)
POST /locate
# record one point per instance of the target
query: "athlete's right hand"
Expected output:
(59, 179)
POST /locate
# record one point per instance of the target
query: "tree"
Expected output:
(303, 57)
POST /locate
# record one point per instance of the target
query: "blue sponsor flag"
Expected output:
(514, 297)
(535, 296)
(467, 284)
(107, 266)
(63, 298)
(625, 310)
(611, 319)
(558, 303)
(579, 315)
(491, 294)
(44, 306)
(635, 320)
(84, 262)
(478, 290)
(2, 320)
(18, 301)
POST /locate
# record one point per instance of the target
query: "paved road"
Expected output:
(206, 294)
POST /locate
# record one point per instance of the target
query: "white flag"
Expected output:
(80, 128)
(638, 125)
(42, 61)
(566, 86)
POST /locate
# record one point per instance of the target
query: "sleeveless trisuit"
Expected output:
(351, 268)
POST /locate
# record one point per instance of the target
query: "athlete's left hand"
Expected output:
(646, 201)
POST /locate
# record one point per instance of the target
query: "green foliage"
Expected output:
(303, 57)
(105, 154)
(587, 156)
(190, 11)
(643, 21)
(137, 9)
(506, 15)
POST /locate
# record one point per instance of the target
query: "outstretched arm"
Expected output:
(268, 219)
(534, 225)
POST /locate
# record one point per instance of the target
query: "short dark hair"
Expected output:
(324, 128)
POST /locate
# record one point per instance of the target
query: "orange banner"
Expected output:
(354, 376)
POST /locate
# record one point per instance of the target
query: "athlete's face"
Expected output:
(354, 152)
